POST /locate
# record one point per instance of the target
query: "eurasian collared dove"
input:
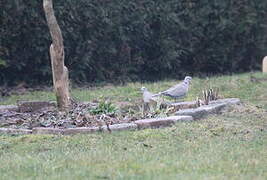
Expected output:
(178, 91)
(147, 96)
(147, 99)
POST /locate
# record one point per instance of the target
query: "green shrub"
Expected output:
(104, 107)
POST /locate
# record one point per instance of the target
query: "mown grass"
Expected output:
(230, 86)
(232, 145)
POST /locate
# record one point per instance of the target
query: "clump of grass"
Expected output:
(208, 95)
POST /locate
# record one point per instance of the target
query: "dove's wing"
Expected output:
(168, 90)
(177, 91)
(177, 86)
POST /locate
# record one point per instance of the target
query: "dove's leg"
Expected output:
(143, 109)
(146, 107)
(150, 107)
(163, 99)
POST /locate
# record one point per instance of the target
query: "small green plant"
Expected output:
(104, 107)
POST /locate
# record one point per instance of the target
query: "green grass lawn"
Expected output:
(232, 145)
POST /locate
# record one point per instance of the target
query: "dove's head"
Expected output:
(143, 89)
(187, 79)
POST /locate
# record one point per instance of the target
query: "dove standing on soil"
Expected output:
(178, 91)
(147, 96)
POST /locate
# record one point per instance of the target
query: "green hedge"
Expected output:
(123, 40)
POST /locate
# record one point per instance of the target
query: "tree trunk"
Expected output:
(59, 70)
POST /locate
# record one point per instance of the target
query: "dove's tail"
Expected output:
(156, 95)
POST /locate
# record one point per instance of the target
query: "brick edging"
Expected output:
(139, 124)
(14, 131)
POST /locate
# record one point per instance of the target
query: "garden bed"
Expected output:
(43, 117)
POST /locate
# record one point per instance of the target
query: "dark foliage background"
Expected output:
(126, 40)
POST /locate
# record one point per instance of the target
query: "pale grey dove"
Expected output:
(178, 91)
(148, 99)
(147, 96)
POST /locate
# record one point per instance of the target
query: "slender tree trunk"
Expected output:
(59, 70)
